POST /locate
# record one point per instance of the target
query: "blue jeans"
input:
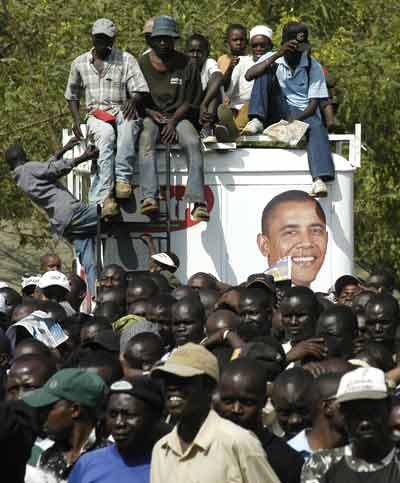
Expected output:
(189, 139)
(81, 231)
(112, 167)
(269, 105)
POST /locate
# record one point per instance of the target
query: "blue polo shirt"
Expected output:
(295, 85)
(105, 465)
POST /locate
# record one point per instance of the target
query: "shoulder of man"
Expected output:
(82, 58)
(319, 463)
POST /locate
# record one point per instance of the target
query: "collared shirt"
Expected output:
(121, 77)
(221, 452)
(322, 461)
(297, 86)
(40, 182)
(301, 445)
(239, 91)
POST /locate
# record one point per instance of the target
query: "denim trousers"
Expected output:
(189, 139)
(110, 166)
(269, 105)
(81, 231)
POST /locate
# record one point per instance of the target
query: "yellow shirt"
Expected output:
(221, 452)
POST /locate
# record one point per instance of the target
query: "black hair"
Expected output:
(301, 381)
(47, 362)
(285, 197)
(291, 29)
(250, 367)
(14, 155)
(12, 297)
(211, 280)
(389, 277)
(235, 26)
(109, 310)
(194, 302)
(144, 286)
(101, 322)
(144, 338)
(377, 355)
(161, 282)
(42, 348)
(301, 291)
(86, 358)
(203, 41)
(82, 287)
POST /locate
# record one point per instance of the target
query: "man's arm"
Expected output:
(213, 88)
(261, 66)
(308, 111)
(73, 94)
(228, 73)
(56, 166)
(137, 88)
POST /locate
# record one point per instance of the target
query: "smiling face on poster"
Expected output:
(294, 224)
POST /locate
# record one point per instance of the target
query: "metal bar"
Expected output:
(168, 193)
(99, 264)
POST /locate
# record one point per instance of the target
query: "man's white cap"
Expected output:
(3, 284)
(32, 280)
(164, 259)
(362, 383)
(104, 26)
(261, 30)
(54, 277)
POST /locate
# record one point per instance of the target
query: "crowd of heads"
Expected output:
(260, 354)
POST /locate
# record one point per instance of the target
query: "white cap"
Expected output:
(3, 284)
(164, 259)
(261, 30)
(362, 383)
(104, 26)
(54, 278)
(32, 280)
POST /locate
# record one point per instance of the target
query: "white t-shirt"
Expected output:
(210, 66)
(239, 91)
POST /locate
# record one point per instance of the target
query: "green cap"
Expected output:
(71, 384)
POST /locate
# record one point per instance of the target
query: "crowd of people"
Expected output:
(206, 382)
(169, 97)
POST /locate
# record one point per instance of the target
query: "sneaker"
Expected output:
(319, 189)
(255, 126)
(200, 212)
(149, 206)
(226, 119)
(110, 208)
(123, 190)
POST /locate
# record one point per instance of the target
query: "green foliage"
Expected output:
(358, 44)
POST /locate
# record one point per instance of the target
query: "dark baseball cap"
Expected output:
(261, 280)
(143, 387)
(70, 384)
(105, 339)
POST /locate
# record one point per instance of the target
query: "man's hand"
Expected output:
(71, 144)
(157, 116)
(76, 129)
(168, 133)
(287, 47)
(234, 62)
(129, 109)
(205, 117)
(308, 348)
(91, 152)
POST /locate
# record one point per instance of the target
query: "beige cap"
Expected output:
(148, 26)
(190, 360)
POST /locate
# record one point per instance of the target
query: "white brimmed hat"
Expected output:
(165, 259)
(362, 383)
(54, 277)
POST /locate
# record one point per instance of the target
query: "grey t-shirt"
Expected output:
(40, 182)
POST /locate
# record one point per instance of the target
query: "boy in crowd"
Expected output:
(289, 85)
(198, 49)
(236, 39)
(238, 88)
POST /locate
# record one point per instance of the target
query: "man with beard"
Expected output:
(382, 319)
(203, 445)
(371, 455)
(175, 88)
(293, 224)
(338, 327)
(300, 310)
(134, 416)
